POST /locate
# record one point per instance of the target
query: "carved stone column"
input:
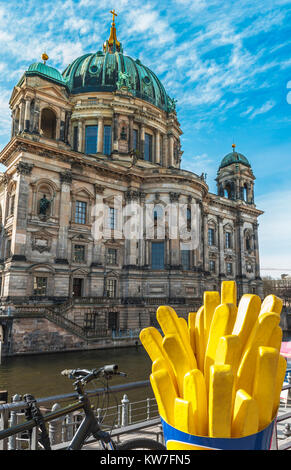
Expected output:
(62, 125)
(158, 147)
(80, 135)
(130, 134)
(21, 116)
(97, 223)
(256, 249)
(27, 115)
(64, 217)
(19, 228)
(115, 133)
(165, 150)
(205, 241)
(171, 150)
(36, 117)
(220, 244)
(100, 135)
(142, 141)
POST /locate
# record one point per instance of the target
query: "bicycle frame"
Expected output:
(88, 426)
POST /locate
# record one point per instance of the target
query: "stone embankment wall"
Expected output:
(39, 335)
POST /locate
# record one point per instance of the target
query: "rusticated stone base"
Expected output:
(38, 335)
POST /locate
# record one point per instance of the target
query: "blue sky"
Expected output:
(228, 64)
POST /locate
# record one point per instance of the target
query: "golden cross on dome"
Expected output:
(113, 15)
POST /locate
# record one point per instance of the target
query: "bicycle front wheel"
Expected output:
(141, 444)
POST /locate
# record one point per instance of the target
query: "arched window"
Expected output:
(228, 193)
(48, 123)
(245, 193)
(158, 212)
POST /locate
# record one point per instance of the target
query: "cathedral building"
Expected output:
(96, 139)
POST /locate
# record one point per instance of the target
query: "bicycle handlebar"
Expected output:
(89, 375)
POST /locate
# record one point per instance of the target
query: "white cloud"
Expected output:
(263, 109)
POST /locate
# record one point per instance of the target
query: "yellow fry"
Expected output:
(220, 401)
(228, 292)
(183, 417)
(199, 339)
(152, 340)
(259, 336)
(281, 371)
(271, 303)
(228, 352)
(264, 383)
(210, 301)
(194, 391)
(165, 394)
(275, 340)
(191, 329)
(245, 415)
(171, 324)
(222, 324)
(178, 357)
(247, 314)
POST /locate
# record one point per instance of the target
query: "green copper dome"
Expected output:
(43, 70)
(107, 71)
(234, 157)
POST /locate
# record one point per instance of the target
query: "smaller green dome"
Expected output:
(49, 73)
(234, 157)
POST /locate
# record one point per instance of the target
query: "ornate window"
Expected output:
(80, 212)
(40, 285)
(8, 252)
(107, 140)
(48, 123)
(212, 267)
(185, 259)
(211, 236)
(75, 138)
(111, 288)
(158, 255)
(41, 280)
(79, 253)
(135, 139)
(112, 218)
(111, 256)
(91, 135)
(229, 270)
(148, 147)
(228, 240)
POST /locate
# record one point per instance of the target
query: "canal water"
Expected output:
(40, 375)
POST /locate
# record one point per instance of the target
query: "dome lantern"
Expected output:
(112, 44)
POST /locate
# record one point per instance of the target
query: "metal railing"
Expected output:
(63, 421)
(126, 416)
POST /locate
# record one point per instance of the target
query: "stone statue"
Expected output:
(44, 204)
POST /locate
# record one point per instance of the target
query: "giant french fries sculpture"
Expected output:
(219, 375)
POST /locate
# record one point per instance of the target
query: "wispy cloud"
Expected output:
(263, 109)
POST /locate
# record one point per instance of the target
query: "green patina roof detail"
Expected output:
(112, 71)
(234, 157)
(46, 72)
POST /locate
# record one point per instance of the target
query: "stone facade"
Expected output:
(63, 287)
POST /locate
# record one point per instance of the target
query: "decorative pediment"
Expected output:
(53, 91)
(41, 241)
(81, 271)
(82, 192)
(80, 237)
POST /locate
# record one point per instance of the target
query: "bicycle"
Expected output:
(90, 425)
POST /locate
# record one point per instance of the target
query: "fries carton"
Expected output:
(217, 379)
